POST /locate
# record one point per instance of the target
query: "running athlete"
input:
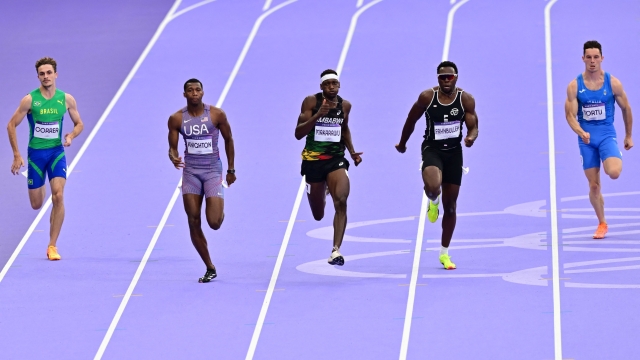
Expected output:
(45, 108)
(200, 124)
(446, 108)
(324, 120)
(591, 97)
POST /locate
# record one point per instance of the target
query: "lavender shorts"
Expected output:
(207, 182)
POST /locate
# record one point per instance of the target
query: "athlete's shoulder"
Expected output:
(427, 96)
(616, 86)
(309, 102)
(346, 105)
(572, 88)
(176, 116)
(215, 111)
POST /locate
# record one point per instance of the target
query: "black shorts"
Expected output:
(448, 161)
(317, 170)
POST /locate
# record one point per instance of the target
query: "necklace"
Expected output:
(448, 93)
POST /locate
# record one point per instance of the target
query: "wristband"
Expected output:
(231, 171)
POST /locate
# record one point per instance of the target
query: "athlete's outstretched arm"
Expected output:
(470, 118)
(623, 103)
(78, 125)
(175, 121)
(306, 121)
(346, 134)
(415, 114)
(571, 111)
(16, 119)
(225, 131)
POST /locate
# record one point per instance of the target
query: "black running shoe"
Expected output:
(336, 258)
(208, 276)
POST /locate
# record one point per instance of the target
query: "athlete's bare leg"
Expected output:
(215, 212)
(449, 201)
(612, 167)
(193, 208)
(339, 187)
(36, 197)
(595, 194)
(57, 213)
(317, 197)
(432, 178)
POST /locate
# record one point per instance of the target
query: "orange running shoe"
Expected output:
(52, 253)
(601, 231)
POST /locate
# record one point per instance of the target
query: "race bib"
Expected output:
(592, 112)
(446, 130)
(47, 130)
(330, 133)
(200, 146)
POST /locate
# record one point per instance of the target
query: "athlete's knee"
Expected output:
(318, 214)
(449, 208)
(215, 224)
(194, 221)
(614, 174)
(36, 204)
(432, 191)
(340, 201)
(57, 199)
(594, 186)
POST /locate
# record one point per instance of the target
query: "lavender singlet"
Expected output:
(200, 139)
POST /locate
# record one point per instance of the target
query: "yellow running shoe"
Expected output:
(446, 261)
(433, 212)
(52, 253)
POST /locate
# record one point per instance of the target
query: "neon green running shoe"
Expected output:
(433, 212)
(446, 261)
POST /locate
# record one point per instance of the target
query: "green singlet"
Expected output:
(45, 120)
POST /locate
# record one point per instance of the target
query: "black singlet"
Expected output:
(444, 123)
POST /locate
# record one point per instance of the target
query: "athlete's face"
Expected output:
(592, 60)
(194, 93)
(447, 78)
(330, 88)
(47, 75)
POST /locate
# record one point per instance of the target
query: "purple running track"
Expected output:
(498, 304)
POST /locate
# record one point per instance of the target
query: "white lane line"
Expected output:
(136, 277)
(352, 29)
(176, 193)
(359, 3)
(406, 331)
(294, 213)
(557, 328)
(93, 133)
(189, 8)
(267, 5)
(245, 50)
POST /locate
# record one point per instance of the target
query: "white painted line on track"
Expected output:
(294, 212)
(189, 8)
(406, 331)
(267, 5)
(553, 204)
(93, 133)
(176, 193)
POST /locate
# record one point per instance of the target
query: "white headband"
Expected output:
(328, 77)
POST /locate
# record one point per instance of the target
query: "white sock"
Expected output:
(436, 201)
(444, 250)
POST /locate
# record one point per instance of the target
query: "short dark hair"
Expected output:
(447, 64)
(193, 80)
(591, 44)
(328, 71)
(47, 61)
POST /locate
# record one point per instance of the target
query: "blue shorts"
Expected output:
(50, 161)
(602, 145)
